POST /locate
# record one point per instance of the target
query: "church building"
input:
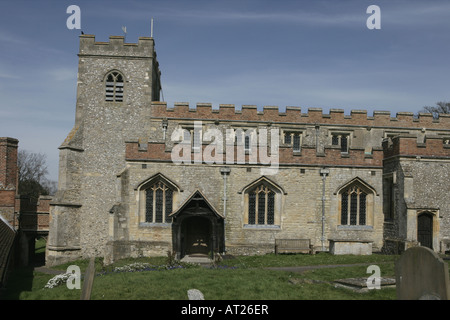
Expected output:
(138, 177)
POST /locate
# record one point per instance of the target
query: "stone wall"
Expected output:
(116, 147)
(300, 206)
(422, 173)
(93, 153)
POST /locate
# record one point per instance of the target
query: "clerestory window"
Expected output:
(247, 143)
(293, 139)
(194, 137)
(341, 140)
(246, 138)
(114, 87)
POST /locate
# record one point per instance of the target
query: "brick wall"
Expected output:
(308, 156)
(34, 216)
(8, 163)
(8, 178)
(407, 145)
(8, 188)
(295, 115)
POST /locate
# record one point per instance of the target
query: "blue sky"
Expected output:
(286, 53)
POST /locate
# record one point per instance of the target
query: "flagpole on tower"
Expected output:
(151, 28)
(124, 29)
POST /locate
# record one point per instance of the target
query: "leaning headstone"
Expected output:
(194, 294)
(88, 280)
(422, 275)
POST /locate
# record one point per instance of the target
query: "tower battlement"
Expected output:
(205, 111)
(117, 47)
(407, 145)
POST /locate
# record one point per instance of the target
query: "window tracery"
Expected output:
(114, 87)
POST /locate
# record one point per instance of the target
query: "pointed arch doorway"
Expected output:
(425, 229)
(197, 228)
(197, 236)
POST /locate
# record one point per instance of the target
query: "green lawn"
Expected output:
(232, 284)
(240, 278)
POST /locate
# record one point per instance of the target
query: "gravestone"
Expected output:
(88, 280)
(194, 294)
(422, 275)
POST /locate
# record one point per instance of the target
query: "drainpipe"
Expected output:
(225, 171)
(324, 172)
(317, 137)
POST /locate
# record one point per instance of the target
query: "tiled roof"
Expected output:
(7, 236)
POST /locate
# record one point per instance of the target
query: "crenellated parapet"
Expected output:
(434, 146)
(205, 111)
(117, 47)
(308, 156)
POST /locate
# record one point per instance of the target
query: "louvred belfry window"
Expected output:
(114, 87)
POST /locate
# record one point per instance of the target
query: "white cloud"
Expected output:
(8, 38)
(309, 13)
(63, 74)
(8, 76)
(195, 14)
(416, 14)
(355, 89)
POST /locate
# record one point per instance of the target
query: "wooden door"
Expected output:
(425, 230)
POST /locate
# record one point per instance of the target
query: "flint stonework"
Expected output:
(121, 194)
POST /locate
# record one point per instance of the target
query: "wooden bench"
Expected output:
(293, 246)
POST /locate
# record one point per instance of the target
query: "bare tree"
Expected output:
(441, 107)
(32, 166)
(32, 174)
(50, 186)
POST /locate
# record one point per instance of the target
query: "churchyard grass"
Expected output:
(245, 278)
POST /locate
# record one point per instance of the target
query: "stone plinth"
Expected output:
(355, 247)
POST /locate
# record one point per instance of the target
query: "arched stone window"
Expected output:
(114, 87)
(353, 206)
(156, 200)
(261, 205)
(356, 201)
(263, 202)
(158, 203)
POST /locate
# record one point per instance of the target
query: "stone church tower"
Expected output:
(116, 84)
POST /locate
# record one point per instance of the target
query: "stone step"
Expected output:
(198, 259)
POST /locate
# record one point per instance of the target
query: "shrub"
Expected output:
(58, 280)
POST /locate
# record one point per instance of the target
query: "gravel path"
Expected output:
(301, 269)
